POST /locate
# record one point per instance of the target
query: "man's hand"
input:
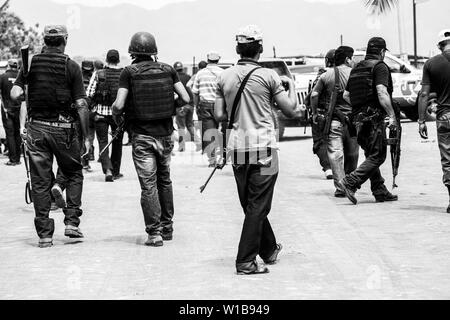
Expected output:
(118, 119)
(288, 82)
(221, 163)
(87, 146)
(423, 130)
(314, 118)
(23, 133)
(392, 123)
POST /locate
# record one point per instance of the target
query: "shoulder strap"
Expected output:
(237, 99)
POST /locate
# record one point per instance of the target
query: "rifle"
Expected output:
(28, 187)
(395, 140)
(119, 131)
(332, 106)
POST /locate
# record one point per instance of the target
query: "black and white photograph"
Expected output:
(206, 151)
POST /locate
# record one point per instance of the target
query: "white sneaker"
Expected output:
(329, 174)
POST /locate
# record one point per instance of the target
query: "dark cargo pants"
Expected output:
(44, 143)
(113, 163)
(372, 139)
(320, 147)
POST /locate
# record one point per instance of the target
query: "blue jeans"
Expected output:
(44, 143)
(443, 134)
(152, 156)
(343, 151)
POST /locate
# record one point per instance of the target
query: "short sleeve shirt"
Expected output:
(6, 83)
(326, 84)
(436, 73)
(205, 83)
(156, 128)
(254, 127)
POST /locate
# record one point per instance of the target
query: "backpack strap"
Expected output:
(237, 99)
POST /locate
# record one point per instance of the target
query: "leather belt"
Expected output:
(55, 124)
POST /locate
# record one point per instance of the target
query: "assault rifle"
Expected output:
(332, 106)
(395, 140)
(28, 188)
(119, 131)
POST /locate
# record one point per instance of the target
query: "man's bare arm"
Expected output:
(119, 105)
(182, 92)
(220, 112)
(287, 102)
(23, 118)
(196, 99)
(386, 103)
(17, 93)
(346, 97)
(423, 106)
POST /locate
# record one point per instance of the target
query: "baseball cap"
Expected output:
(444, 35)
(248, 34)
(178, 66)
(87, 65)
(113, 56)
(55, 31)
(377, 43)
(13, 63)
(213, 56)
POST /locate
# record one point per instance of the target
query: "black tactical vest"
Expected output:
(49, 93)
(361, 85)
(107, 86)
(152, 92)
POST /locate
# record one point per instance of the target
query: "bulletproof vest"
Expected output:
(152, 91)
(361, 86)
(6, 86)
(49, 93)
(107, 86)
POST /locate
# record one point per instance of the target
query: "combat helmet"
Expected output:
(143, 43)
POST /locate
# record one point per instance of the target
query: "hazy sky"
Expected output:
(156, 4)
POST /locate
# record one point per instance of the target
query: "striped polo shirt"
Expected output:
(205, 84)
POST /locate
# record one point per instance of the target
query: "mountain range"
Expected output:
(190, 29)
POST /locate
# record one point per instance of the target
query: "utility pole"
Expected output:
(415, 33)
(342, 39)
(274, 52)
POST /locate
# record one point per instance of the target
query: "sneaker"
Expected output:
(339, 194)
(329, 174)
(386, 197)
(167, 236)
(273, 258)
(118, 176)
(245, 269)
(12, 164)
(58, 195)
(45, 243)
(87, 168)
(348, 192)
(154, 241)
(109, 176)
(73, 232)
(53, 206)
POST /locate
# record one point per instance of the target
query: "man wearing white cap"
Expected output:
(204, 90)
(244, 98)
(436, 78)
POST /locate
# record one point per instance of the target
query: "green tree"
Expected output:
(14, 34)
(380, 6)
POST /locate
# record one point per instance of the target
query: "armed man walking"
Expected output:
(102, 90)
(369, 91)
(244, 97)
(204, 90)
(87, 67)
(55, 84)
(11, 113)
(343, 150)
(436, 78)
(147, 95)
(185, 114)
(319, 144)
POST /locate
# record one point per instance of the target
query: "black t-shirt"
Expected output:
(436, 73)
(6, 83)
(156, 128)
(382, 76)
